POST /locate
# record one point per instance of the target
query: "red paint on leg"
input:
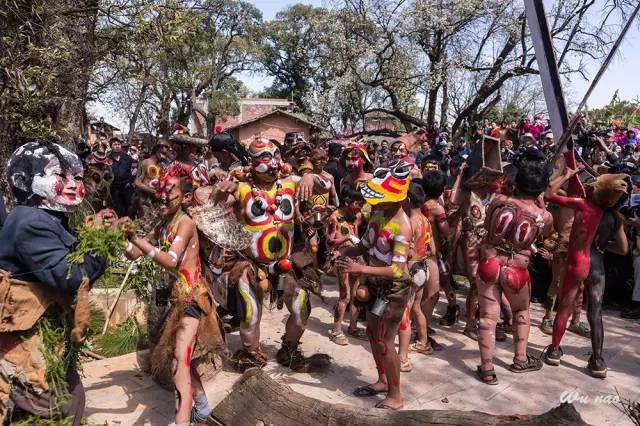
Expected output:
(189, 356)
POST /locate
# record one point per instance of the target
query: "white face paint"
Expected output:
(61, 190)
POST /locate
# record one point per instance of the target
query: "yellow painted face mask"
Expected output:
(388, 184)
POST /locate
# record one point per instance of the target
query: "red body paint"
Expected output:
(189, 356)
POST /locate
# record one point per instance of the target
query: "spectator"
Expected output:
(424, 150)
(333, 165)
(122, 185)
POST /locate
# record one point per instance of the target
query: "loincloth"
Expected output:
(210, 347)
(396, 292)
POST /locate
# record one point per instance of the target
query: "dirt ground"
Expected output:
(119, 393)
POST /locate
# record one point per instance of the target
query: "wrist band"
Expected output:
(152, 253)
(129, 247)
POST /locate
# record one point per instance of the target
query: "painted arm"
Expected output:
(333, 239)
(552, 192)
(168, 259)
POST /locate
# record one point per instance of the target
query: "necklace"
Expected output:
(262, 199)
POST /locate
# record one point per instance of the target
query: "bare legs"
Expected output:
(187, 382)
(252, 302)
(382, 334)
(348, 286)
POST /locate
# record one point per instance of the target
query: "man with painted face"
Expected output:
(46, 183)
(264, 204)
(386, 242)
(399, 151)
(355, 161)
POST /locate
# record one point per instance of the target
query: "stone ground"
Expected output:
(119, 393)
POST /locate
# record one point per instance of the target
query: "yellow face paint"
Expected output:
(388, 185)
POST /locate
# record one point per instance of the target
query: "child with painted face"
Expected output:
(342, 231)
(386, 241)
(181, 346)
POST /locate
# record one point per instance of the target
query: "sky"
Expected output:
(621, 73)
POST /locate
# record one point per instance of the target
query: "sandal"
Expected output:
(405, 366)
(580, 328)
(358, 333)
(488, 377)
(421, 348)
(365, 391)
(338, 338)
(531, 364)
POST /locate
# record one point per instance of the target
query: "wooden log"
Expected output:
(256, 399)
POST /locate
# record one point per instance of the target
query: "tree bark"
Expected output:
(444, 107)
(256, 399)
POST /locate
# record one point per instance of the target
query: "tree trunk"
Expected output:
(431, 108)
(256, 399)
(136, 112)
(444, 107)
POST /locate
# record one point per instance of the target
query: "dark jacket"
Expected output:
(121, 169)
(3, 211)
(34, 246)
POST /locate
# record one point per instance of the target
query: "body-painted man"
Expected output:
(264, 204)
(513, 224)
(602, 196)
(562, 222)
(472, 205)
(386, 241)
(433, 183)
(192, 332)
(343, 230)
(37, 281)
(425, 286)
(314, 213)
(355, 161)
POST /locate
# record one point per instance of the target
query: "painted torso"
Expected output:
(422, 236)
(515, 224)
(188, 271)
(385, 241)
(271, 228)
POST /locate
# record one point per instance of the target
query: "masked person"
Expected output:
(595, 211)
(35, 277)
(386, 241)
(513, 224)
(192, 332)
(265, 207)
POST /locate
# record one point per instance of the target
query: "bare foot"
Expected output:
(390, 404)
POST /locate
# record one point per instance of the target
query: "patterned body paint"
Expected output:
(386, 243)
(272, 231)
(186, 275)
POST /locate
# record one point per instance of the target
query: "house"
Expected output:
(249, 108)
(379, 121)
(273, 124)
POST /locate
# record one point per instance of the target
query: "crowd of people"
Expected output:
(392, 219)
